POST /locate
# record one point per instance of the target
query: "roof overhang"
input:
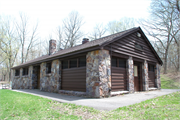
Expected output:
(58, 57)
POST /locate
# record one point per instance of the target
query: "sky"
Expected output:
(50, 13)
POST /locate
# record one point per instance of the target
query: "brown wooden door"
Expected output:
(136, 78)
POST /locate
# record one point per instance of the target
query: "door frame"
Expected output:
(139, 65)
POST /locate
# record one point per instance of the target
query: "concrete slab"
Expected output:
(104, 103)
(119, 93)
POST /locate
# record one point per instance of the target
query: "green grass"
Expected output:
(15, 105)
(168, 83)
(160, 108)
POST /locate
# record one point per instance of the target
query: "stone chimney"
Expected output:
(85, 40)
(52, 46)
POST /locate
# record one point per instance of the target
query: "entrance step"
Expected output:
(74, 93)
(151, 89)
(119, 93)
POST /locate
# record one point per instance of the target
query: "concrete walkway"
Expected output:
(104, 103)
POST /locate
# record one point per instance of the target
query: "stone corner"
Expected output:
(98, 74)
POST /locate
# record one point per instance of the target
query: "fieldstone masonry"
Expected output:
(145, 76)
(157, 76)
(22, 82)
(50, 82)
(130, 75)
(98, 74)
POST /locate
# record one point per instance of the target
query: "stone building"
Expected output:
(124, 62)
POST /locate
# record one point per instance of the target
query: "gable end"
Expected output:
(132, 45)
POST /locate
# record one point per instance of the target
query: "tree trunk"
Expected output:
(165, 61)
(10, 60)
(4, 77)
(10, 65)
(22, 54)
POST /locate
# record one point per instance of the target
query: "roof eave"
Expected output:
(120, 37)
(58, 57)
(159, 59)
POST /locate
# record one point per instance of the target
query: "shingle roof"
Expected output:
(93, 43)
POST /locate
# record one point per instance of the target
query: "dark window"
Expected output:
(138, 46)
(34, 69)
(25, 71)
(64, 64)
(122, 63)
(151, 68)
(114, 62)
(73, 63)
(17, 72)
(82, 61)
(48, 67)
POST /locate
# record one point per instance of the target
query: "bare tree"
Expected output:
(72, 29)
(175, 4)
(163, 26)
(46, 44)
(121, 25)
(98, 32)
(9, 46)
(59, 38)
(27, 38)
(114, 27)
(173, 57)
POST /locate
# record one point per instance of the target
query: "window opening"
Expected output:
(135, 71)
(122, 63)
(25, 71)
(114, 62)
(65, 64)
(82, 61)
(73, 63)
(151, 68)
(48, 68)
(17, 72)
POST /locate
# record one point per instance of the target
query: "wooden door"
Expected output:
(136, 78)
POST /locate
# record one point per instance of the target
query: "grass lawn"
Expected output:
(15, 105)
(169, 83)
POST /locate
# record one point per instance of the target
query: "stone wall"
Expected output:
(50, 82)
(22, 82)
(130, 75)
(145, 76)
(98, 74)
(157, 76)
